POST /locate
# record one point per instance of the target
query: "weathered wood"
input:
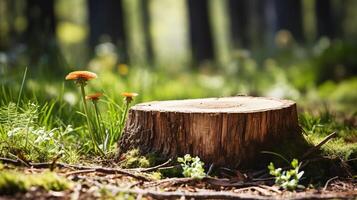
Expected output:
(224, 131)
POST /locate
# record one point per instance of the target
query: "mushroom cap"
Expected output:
(129, 94)
(75, 75)
(94, 96)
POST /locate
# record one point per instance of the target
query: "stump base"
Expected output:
(226, 131)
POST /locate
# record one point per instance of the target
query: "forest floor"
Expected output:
(98, 182)
(22, 176)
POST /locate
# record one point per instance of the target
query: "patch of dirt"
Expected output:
(94, 184)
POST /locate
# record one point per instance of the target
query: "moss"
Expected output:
(156, 175)
(134, 159)
(343, 146)
(13, 181)
(336, 147)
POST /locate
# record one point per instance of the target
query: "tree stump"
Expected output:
(225, 131)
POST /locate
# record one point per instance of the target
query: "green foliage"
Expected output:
(103, 138)
(14, 181)
(22, 135)
(192, 166)
(336, 62)
(340, 94)
(111, 125)
(288, 180)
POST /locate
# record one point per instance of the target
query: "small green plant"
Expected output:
(192, 166)
(23, 135)
(288, 180)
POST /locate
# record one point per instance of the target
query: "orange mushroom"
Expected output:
(94, 97)
(129, 96)
(83, 75)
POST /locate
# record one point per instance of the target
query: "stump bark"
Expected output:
(225, 131)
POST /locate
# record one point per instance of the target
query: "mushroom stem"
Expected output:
(101, 130)
(88, 121)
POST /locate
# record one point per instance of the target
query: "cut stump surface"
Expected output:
(224, 131)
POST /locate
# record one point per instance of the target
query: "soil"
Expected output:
(106, 184)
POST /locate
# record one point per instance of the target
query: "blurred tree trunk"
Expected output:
(107, 23)
(41, 19)
(270, 19)
(239, 23)
(41, 28)
(4, 25)
(324, 16)
(247, 23)
(256, 27)
(147, 32)
(349, 25)
(200, 30)
(289, 17)
(16, 12)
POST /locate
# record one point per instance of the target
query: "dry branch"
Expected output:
(150, 169)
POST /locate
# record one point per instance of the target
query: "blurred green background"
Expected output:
(305, 50)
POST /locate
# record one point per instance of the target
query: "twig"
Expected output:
(150, 169)
(352, 159)
(54, 161)
(121, 171)
(207, 180)
(263, 179)
(328, 181)
(97, 169)
(263, 191)
(196, 195)
(271, 188)
(169, 167)
(21, 160)
(315, 148)
(210, 169)
(228, 183)
(106, 170)
(171, 181)
(83, 171)
(9, 160)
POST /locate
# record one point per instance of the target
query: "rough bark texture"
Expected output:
(225, 131)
